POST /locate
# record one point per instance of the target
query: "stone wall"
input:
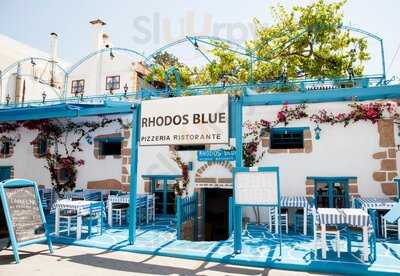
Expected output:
(213, 182)
(126, 158)
(387, 168)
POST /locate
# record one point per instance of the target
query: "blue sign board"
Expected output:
(216, 155)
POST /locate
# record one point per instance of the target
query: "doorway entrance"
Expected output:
(216, 213)
(162, 186)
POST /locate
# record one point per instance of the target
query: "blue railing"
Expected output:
(295, 86)
(100, 99)
(300, 86)
(186, 210)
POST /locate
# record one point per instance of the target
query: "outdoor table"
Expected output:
(82, 208)
(375, 203)
(296, 202)
(349, 216)
(126, 199)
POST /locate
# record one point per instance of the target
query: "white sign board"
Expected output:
(256, 188)
(187, 120)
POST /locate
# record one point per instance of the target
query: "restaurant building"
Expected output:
(332, 140)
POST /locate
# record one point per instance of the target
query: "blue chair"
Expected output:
(93, 196)
(299, 220)
(356, 233)
(141, 208)
(96, 213)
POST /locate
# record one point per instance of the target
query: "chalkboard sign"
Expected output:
(23, 212)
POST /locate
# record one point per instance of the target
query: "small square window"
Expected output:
(78, 87)
(287, 138)
(110, 147)
(112, 83)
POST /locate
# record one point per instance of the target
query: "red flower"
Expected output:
(372, 114)
(281, 116)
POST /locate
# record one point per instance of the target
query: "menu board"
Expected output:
(24, 213)
(256, 188)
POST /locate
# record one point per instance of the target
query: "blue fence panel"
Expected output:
(186, 209)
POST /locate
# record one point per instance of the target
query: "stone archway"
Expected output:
(202, 181)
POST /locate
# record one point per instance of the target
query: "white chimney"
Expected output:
(98, 33)
(54, 46)
(106, 41)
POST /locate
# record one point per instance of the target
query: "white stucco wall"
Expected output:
(96, 69)
(26, 165)
(341, 151)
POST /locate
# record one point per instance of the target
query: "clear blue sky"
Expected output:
(147, 25)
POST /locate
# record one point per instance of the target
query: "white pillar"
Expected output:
(53, 46)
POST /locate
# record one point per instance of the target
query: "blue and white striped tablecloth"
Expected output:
(82, 207)
(126, 198)
(294, 201)
(375, 202)
(84, 195)
(349, 216)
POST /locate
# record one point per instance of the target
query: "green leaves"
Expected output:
(304, 42)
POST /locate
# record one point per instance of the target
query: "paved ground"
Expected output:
(82, 261)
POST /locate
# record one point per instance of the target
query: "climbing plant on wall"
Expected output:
(63, 139)
(254, 130)
(181, 184)
(368, 112)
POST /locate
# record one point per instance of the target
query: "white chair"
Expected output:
(390, 227)
(150, 215)
(272, 212)
(330, 231)
(68, 215)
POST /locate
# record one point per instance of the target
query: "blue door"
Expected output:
(5, 172)
(331, 193)
(164, 191)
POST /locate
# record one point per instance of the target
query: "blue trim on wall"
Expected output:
(330, 178)
(334, 95)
